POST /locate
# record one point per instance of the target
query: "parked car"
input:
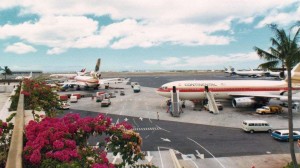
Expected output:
(64, 106)
(283, 135)
(105, 103)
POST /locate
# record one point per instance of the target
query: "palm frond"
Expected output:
(264, 54)
(270, 64)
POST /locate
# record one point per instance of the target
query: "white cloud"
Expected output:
(281, 18)
(203, 61)
(151, 62)
(20, 48)
(54, 32)
(64, 24)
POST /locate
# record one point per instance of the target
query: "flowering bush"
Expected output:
(5, 137)
(55, 142)
(38, 96)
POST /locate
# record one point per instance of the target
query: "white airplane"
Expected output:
(24, 77)
(249, 73)
(108, 81)
(69, 76)
(229, 70)
(243, 93)
(86, 81)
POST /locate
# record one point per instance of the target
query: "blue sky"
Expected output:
(128, 35)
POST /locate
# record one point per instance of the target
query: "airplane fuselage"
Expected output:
(87, 81)
(68, 76)
(195, 89)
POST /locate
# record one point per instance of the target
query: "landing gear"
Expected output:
(183, 104)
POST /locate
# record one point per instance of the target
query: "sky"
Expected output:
(148, 35)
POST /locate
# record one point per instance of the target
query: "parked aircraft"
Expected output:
(87, 81)
(243, 93)
(24, 77)
(69, 76)
(229, 70)
(109, 81)
(249, 73)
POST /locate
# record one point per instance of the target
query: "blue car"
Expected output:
(283, 135)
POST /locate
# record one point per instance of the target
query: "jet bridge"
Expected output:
(212, 105)
(175, 103)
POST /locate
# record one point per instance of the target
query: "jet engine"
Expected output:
(283, 75)
(243, 102)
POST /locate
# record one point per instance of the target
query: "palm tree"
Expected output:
(285, 50)
(6, 71)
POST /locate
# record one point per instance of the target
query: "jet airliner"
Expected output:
(243, 93)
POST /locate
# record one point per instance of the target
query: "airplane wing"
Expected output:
(268, 96)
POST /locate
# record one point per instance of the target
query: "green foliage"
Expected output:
(15, 99)
(290, 165)
(5, 139)
(39, 96)
(6, 71)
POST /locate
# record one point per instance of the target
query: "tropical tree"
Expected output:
(6, 71)
(284, 50)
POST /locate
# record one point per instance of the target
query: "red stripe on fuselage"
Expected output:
(228, 89)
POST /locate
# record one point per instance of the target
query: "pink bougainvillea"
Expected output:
(64, 140)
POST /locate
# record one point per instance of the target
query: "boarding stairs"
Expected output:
(175, 105)
(212, 105)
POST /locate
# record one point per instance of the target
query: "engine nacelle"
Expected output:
(243, 102)
(283, 75)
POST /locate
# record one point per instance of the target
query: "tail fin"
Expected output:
(295, 74)
(97, 67)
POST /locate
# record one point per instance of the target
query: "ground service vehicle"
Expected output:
(136, 88)
(283, 135)
(105, 103)
(256, 125)
(269, 109)
(133, 84)
(219, 105)
(122, 93)
(73, 99)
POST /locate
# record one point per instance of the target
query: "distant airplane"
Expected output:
(87, 81)
(228, 70)
(94, 80)
(243, 93)
(24, 77)
(69, 76)
(249, 73)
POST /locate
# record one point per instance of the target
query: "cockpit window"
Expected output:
(164, 87)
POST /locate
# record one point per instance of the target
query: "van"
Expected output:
(73, 99)
(136, 88)
(256, 126)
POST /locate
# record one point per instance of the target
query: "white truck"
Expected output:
(73, 99)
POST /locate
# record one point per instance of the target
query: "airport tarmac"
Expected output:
(145, 106)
